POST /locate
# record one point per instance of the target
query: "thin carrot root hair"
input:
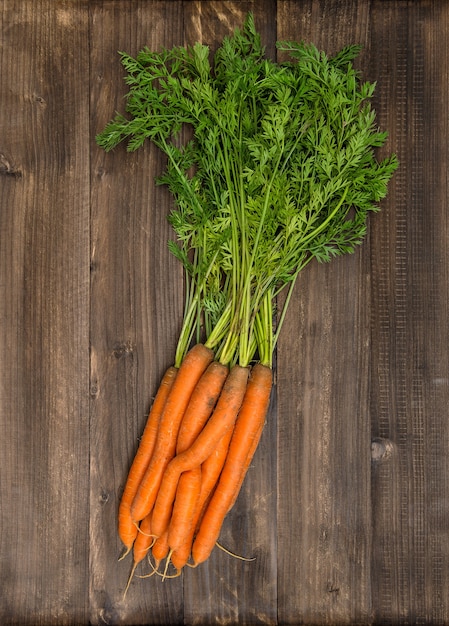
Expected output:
(124, 553)
(152, 573)
(233, 554)
(168, 576)
(142, 532)
(155, 570)
(129, 579)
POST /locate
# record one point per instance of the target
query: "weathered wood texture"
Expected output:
(346, 507)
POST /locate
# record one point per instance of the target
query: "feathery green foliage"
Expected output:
(270, 165)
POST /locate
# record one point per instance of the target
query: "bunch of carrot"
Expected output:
(280, 170)
(201, 434)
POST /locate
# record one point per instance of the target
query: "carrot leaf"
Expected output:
(270, 164)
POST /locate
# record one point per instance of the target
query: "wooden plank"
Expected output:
(226, 589)
(409, 397)
(44, 304)
(324, 511)
(137, 298)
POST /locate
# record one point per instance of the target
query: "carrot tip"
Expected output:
(129, 580)
(167, 562)
(125, 553)
(236, 556)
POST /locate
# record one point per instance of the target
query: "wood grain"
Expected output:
(324, 507)
(44, 246)
(409, 396)
(135, 319)
(346, 505)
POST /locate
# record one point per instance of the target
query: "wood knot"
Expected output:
(381, 449)
(7, 167)
(122, 349)
(104, 496)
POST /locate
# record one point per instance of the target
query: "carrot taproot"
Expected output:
(184, 507)
(191, 369)
(180, 556)
(198, 411)
(222, 418)
(144, 539)
(212, 467)
(249, 458)
(201, 404)
(210, 472)
(127, 529)
(142, 544)
(160, 549)
(247, 428)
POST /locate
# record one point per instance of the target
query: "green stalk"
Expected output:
(191, 316)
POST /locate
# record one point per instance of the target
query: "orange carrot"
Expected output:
(201, 404)
(212, 467)
(249, 458)
(210, 472)
(144, 539)
(222, 418)
(199, 409)
(142, 545)
(194, 364)
(126, 528)
(160, 549)
(184, 508)
(247, 428)
(180, 556)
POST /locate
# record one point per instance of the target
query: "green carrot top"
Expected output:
(270, 165)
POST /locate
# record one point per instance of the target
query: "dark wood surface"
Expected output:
(346, 506)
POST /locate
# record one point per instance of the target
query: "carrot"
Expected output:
(142, 545)
(249, 458)
(247, 428)
(126, 528)
(192, 367)
(184, 508)
(160, 549)
(180, 556)
(210, 472)
(201, 404)
(212, 467)
(144, 539)
(199, 409)
(222, 418)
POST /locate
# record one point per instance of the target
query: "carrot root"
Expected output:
(129, 579)
(125, 553)
(235, 556)
(247, 431)
(193, 366)
(222, 418)
(126, 527)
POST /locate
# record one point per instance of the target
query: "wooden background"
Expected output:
(346, 507)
